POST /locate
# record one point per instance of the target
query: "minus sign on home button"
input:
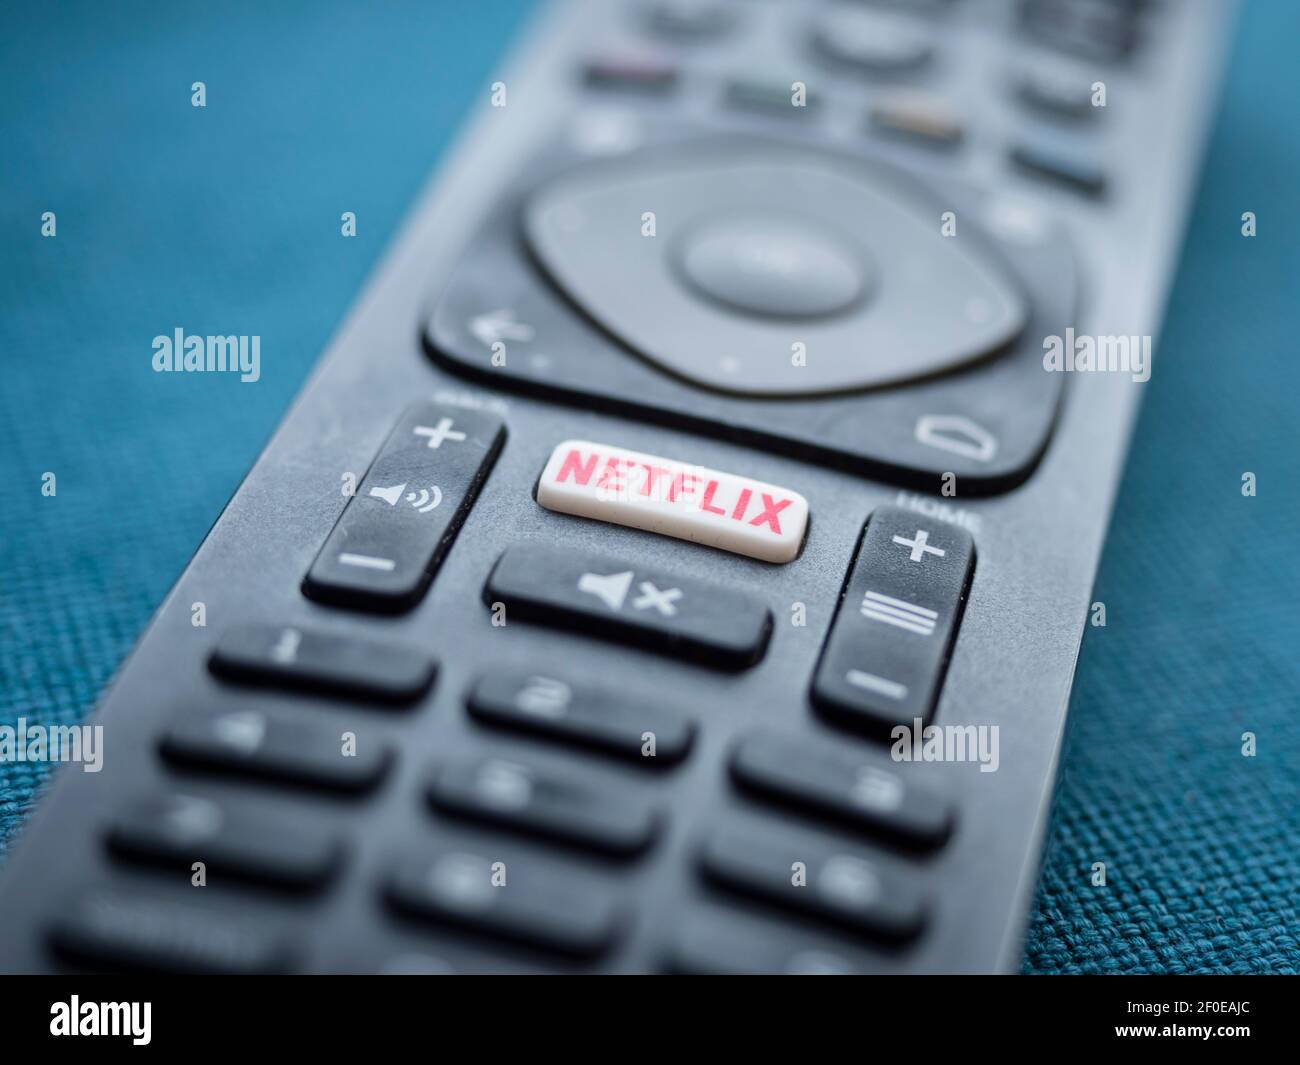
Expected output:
(880, 685)
(366, 561)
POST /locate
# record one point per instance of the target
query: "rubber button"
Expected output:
(871, 43)
(716, 624)
(674, 498)
(885, 658)
(784, 267)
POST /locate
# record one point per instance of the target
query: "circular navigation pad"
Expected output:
(782, 266)
(769, 271)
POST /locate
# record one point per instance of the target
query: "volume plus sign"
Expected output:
(920, 545)
(440, 432)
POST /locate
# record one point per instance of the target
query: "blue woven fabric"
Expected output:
(222, 220)
(1201, 844)
(226, 220)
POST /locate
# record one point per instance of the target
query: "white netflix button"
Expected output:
(673, 498)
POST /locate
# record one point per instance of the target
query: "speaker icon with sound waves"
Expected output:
(425, 499)
(422, 499)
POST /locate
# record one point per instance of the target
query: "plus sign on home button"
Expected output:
(919, 545)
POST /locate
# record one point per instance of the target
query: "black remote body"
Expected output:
(694, 437)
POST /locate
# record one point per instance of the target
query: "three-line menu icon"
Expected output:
(899, 613)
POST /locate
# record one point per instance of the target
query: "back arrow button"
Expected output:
(500, 325)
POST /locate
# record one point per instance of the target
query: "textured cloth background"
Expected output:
(226, 220)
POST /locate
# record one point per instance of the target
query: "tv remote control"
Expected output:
(678, 560)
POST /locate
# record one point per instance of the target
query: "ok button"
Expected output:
(776, 266)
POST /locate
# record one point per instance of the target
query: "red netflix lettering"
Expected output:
(574, 465)
(652, 474)
(706, 504)
(742, 504)
(770, 514)
(612, 477)
(683, 484)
